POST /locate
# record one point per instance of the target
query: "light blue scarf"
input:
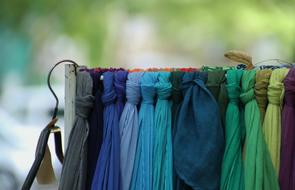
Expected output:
(129, 129)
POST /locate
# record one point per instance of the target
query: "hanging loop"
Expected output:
(49, 84)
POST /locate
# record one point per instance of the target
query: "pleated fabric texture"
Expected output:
(216, 85)
(143, 166)
(162, 149)
(120, 78)
(232, 176)
(272, 121)
(74, 169)
(95, 127)
(108, 165)
(261, 85)
(129, 127)
(199, 131)
(177, 97)
(259, 171)
(287, 162)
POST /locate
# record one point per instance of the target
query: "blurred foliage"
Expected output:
(181, 23)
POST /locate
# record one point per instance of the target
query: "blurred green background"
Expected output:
(35, 34)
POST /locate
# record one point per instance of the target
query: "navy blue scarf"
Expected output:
(107, 174)
(95, 127)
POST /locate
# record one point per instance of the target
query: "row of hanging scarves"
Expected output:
(212, 128)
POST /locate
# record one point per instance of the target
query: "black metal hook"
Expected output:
(49, 84)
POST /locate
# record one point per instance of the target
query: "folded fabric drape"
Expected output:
(95, 128)
(176, 81)
(162, 149)
(287, 163)
(120, 78)
(143, 167)
(74, 170)
(261, 85)
(232, 176)
(216, 85)
(179, 129)
(108, 164)
(272, 120)
(199, 131)
(129, 126)
(259, 171)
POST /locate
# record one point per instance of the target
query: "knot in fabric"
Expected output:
(148, 94)
(109, 96)
(120, 84)
(192, 78)
(148, 89)
(133, 88)
(198, 118)
(248, 83)
(274, 93)
(163, 86)
(84, 106)
(276, 87)
(234, 92)
(200, 78)
(233, 85)
(261, 87)
(84, 84)
(84, 98)
(247, 96)
(187, 81)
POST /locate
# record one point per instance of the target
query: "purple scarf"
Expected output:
(287, 164)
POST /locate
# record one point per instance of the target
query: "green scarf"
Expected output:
(259, 171)
(232, 176)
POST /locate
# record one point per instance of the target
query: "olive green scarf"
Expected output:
(262, 81)
(272, 120)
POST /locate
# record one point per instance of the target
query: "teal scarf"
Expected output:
(232, 176)
(162, 151)
(143, 166)
(199, 141)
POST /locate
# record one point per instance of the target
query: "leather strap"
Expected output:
(45, 173)
(42, 164)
